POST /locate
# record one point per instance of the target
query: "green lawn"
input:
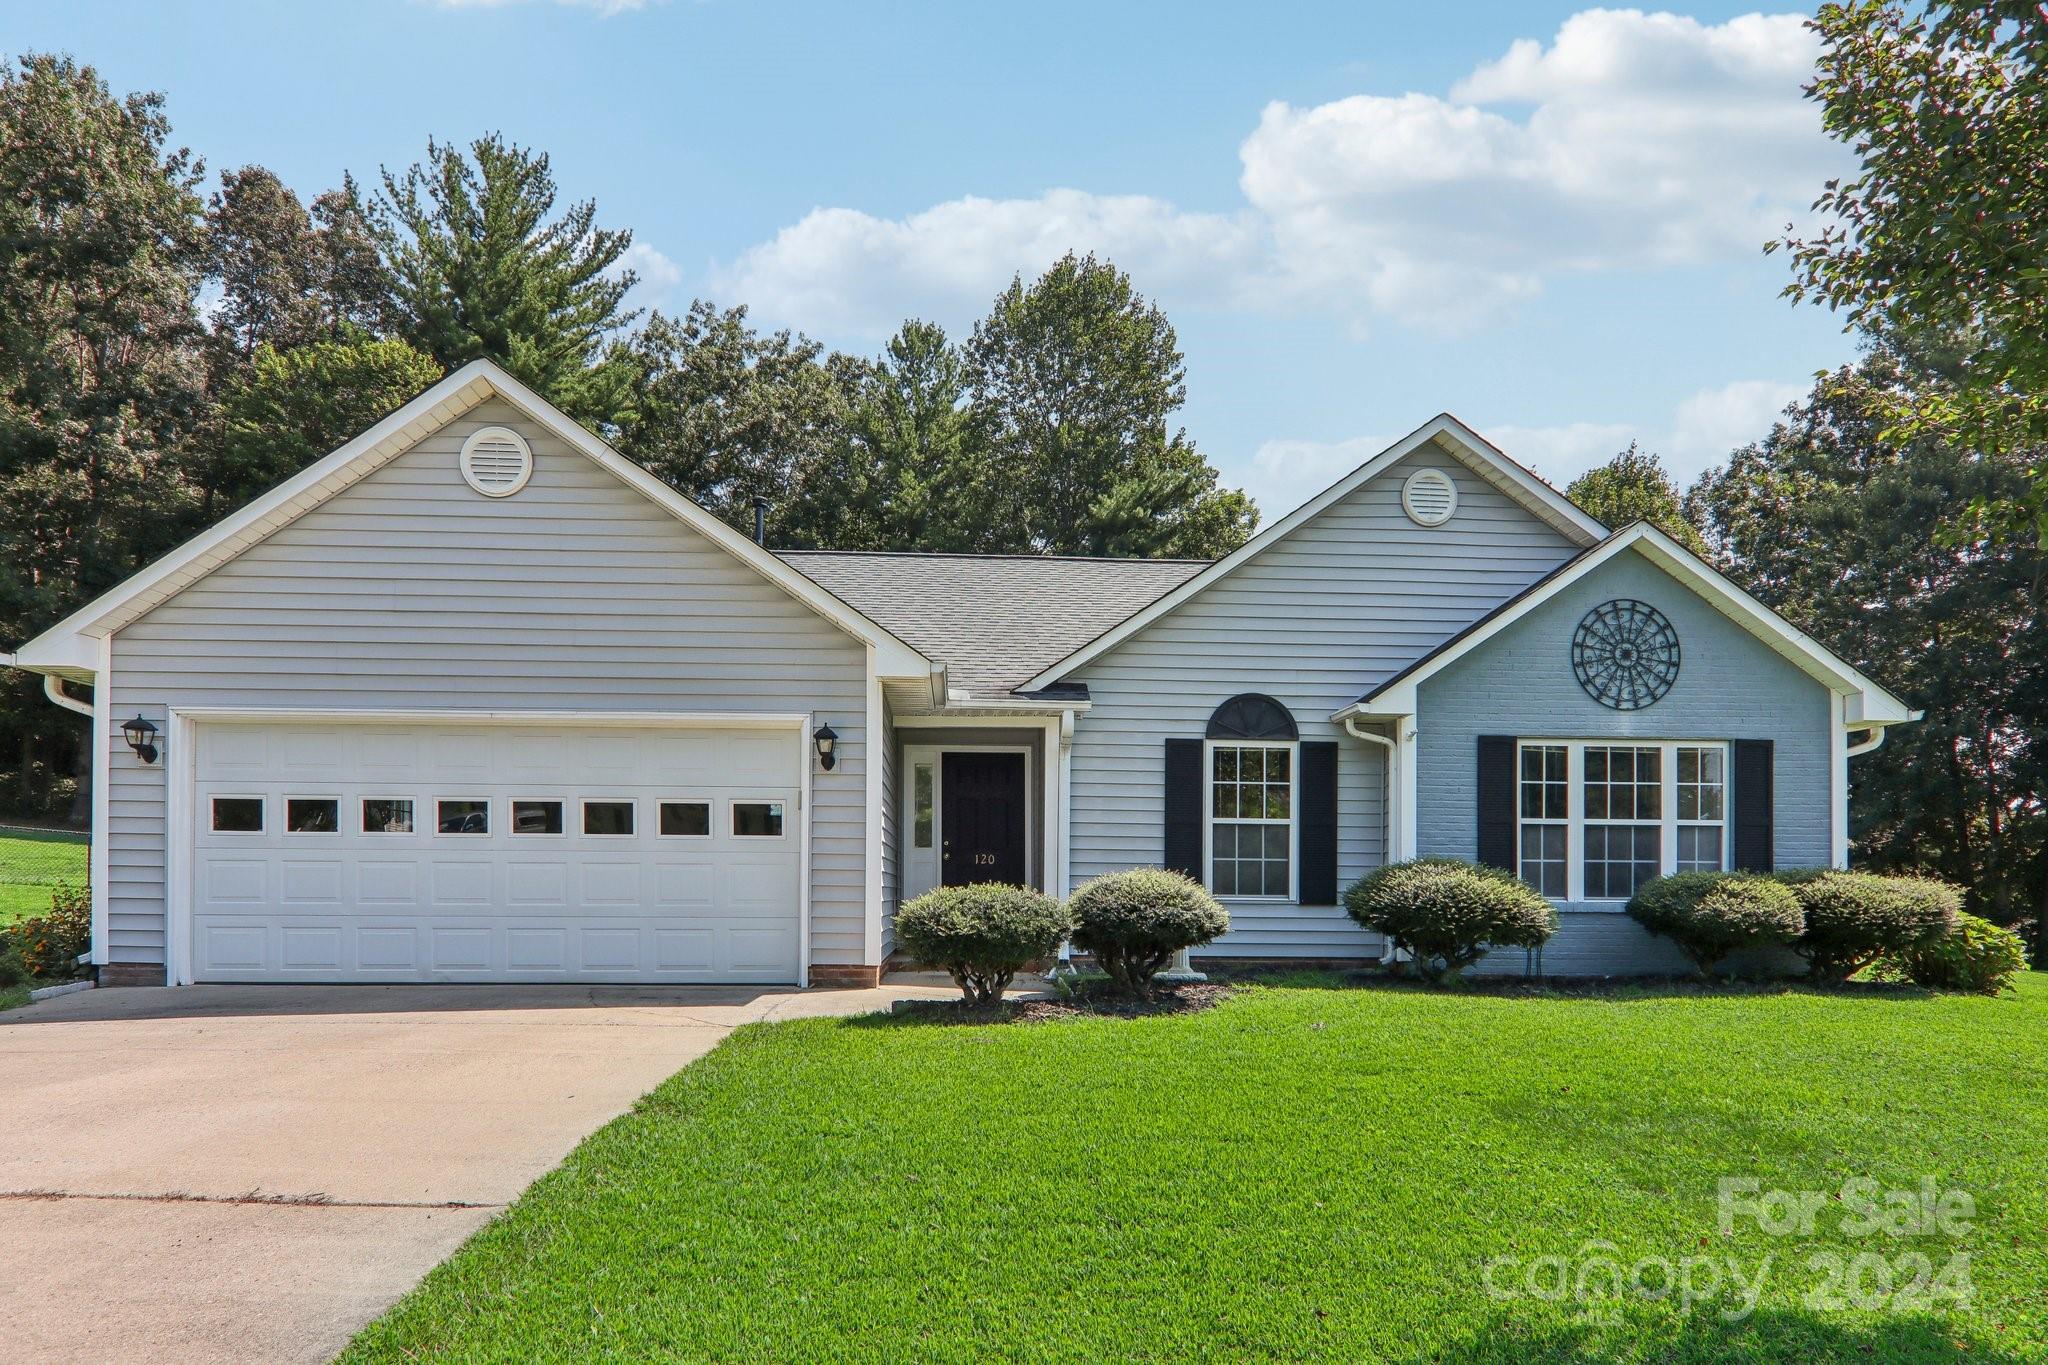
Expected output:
(1299, 1174)
(32, 864)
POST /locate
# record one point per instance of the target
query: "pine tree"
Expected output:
(480, 266)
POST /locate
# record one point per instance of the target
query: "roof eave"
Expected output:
(443, 402)
(1866, 703)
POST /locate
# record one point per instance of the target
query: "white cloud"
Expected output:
(842, 270)
(660, 282)
(1648, 140)
(1631, 140)
(1702, 431)
(1285, 474)
(1714, 423)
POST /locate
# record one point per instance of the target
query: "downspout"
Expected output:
(1389, 770)
(1871, 745)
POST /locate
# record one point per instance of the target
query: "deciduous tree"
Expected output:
(1839, 528)
(1943, 229)
(1075, 378)
(1634, 487)
(294, 407)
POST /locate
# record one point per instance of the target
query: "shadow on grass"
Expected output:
(1770, 1334)
(1570, 988)
(1093, 1000)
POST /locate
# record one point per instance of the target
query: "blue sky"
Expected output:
(1547, 220)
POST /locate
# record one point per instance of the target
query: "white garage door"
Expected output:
(330, 851)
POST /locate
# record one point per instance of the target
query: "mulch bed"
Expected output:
(1089, 1000)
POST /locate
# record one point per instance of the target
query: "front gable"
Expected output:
(458, 404)
(576, 585)
(1729, 686)
(1360, 524)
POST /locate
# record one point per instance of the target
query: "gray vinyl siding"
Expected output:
(892, 796)
(1351, 597)
(410, 591)
(1730, 686)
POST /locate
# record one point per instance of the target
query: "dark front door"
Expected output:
(981, 819)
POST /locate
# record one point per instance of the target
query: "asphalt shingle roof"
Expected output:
(993, 620)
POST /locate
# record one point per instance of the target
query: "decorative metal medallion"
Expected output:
(1625, 654)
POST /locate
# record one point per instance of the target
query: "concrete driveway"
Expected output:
(253, 1172)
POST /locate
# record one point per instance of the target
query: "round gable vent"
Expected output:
(496, 462)
(1429, 497)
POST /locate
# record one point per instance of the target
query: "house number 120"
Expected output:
(984, 860)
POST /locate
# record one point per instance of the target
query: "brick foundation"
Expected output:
(845, 978)
(132, 974)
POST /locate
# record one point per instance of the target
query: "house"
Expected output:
(476, 699)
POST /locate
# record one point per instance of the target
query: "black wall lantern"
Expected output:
(141, 738)
(825, 737)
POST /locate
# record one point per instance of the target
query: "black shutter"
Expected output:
(1317, 882)
(1184, 807)
(1496, 802)
(1754, 779)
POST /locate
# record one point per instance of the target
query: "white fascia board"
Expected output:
(1466, 444)
(1868, 703)
(61, 645)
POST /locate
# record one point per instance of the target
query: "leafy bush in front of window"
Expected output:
(51, 943)
(981, 935)
(1712, 914)
(1447, 913)
(1134, 922)
(1854, 918)
(1979, 957)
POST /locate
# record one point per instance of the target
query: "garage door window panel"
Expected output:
(608, 818)
(312, 815)
(387, 815)
(237, 815)
(757, 819)
(538, 815)
(462, 816)
(685, 820)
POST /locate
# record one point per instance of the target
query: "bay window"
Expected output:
(1598, 820)
(1251, 820)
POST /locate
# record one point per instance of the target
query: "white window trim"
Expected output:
(489, 830)
(1209, 817)
(512, 830)
(732, 806)
(284, 824)
(710, 816)
(1575, 806)
(263, 816)
(583, 816)
(362, 825)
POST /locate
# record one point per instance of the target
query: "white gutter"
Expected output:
(53, 688)
(1389, 842)
(1871, 745)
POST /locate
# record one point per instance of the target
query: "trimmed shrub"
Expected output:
(1447, 913)
(1979, 957)
(982, 935)
(1712, 914)
(50, 944)
(1854, 918)
(1134, 922)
